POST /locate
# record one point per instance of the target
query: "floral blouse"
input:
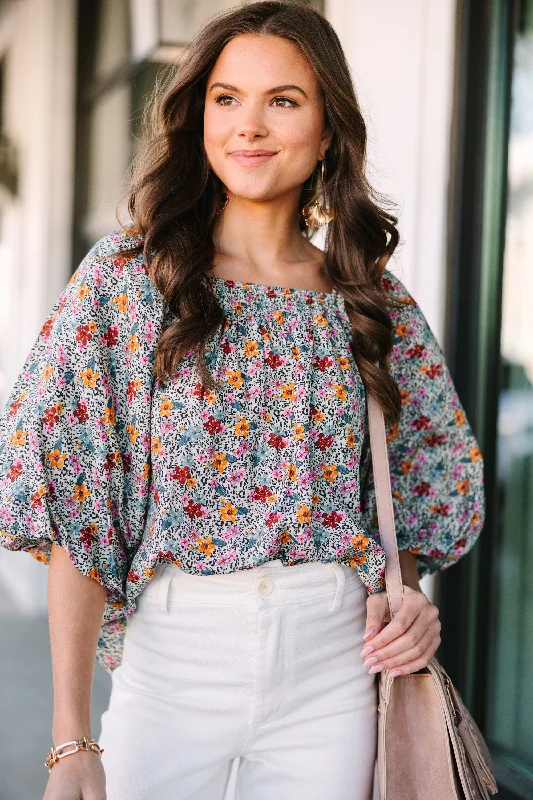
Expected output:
(123, 472)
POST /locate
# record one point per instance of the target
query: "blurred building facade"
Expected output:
(446, 88)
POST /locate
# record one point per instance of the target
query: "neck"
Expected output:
(264, 235)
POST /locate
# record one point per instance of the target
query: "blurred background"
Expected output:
(447, 91)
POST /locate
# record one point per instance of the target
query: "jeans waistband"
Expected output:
(271, 583)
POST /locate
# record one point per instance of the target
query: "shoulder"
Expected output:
(112, 279)
(404, 311)
(114, 258)
(110, 304)
(397, 290)
(118, 240)
(414, 343)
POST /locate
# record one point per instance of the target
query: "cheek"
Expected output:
(300, 157)
(216, 135)
(300, 136)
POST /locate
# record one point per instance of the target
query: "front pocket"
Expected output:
(193, 652)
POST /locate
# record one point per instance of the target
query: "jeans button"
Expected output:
(265, 586)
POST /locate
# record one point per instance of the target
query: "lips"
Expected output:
(252, 158)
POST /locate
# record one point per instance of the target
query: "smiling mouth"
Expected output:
(251, 158)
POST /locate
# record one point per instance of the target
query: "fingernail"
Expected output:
(369, 633)
(395, 673)
(371, 660)
(366, 650)
(375, 668)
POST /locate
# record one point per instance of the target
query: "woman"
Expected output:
(187, 444)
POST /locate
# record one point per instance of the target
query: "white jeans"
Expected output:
(263, 664)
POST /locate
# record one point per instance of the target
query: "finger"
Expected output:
(427, 624)
(376, 610)
(422, 646)
(417, 663)
(403, 619)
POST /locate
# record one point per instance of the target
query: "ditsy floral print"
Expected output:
(124, 472)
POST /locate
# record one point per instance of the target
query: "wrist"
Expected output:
(58, 752)
(409, 570)
(67, 732)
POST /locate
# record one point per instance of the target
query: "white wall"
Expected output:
(402, 60)
(37, 38)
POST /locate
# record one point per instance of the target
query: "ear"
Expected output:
(325, 139)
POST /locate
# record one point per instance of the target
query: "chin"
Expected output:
(256, 197)
(257, 194)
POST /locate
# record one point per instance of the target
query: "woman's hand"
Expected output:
(77, 776)
(408, 642)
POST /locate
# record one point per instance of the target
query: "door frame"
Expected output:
(477, 219)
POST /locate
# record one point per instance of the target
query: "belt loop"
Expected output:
(341, 580)
(164, 585)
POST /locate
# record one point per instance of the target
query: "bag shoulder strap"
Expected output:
(385, 509)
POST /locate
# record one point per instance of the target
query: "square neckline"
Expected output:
(264, 286)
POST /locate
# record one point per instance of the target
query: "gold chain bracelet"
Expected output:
(86, 743)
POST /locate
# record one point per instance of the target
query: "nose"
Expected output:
(251, 123)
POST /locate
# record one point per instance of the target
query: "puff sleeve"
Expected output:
(75, 432)
(435, 463)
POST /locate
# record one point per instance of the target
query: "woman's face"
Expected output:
(264, 118)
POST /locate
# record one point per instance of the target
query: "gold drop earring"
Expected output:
(317, 213)
(223, 205)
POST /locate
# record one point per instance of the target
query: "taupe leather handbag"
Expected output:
(429, 747)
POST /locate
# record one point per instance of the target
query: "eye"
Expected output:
(222, 98)
(292, 103)
(279, 102)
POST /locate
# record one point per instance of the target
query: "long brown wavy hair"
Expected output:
(174, 195)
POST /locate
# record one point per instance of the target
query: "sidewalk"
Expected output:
(26, 703)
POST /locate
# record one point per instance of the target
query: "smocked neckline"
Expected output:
(229, 283)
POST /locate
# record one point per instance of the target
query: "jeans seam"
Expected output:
(341, 582)
(163, 591)
(252, 725)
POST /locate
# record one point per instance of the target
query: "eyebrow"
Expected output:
(276, 90)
